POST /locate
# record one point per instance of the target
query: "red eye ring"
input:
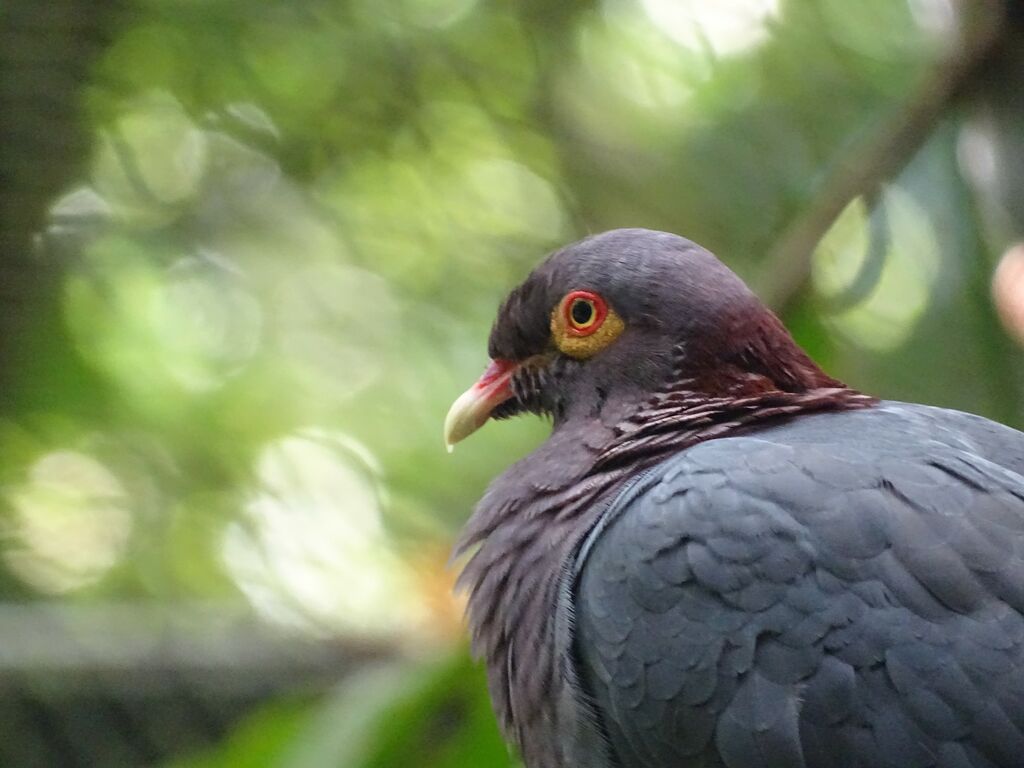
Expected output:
(575, 305)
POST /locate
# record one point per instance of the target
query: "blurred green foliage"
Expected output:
(436, 716)
(292, 229)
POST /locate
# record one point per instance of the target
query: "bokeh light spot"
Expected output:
(312, 551)
(1008, 291)
(977, 154)
(287, 57)
(623, 50)
(205, 321)
(152, 159)
(841, 254)
(885, 317)
(880, 29)
(449, 193)
(726, 28)
(936, 17)
(514, 199)
(161, 333)
(70, 522)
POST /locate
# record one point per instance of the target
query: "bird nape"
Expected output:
(722, 556)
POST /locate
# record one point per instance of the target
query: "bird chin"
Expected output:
(511, 407)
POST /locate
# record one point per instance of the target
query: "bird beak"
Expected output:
(473, 407)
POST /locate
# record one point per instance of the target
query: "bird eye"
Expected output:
(584, 312)
(582, 324)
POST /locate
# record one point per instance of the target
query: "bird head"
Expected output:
(605, 322)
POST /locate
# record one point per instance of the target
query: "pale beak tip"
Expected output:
(461, 419)
(473, 407)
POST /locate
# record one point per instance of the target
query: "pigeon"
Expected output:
(723, 556)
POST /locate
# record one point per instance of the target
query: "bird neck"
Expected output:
(689, 414)
(534, 517)
(708, 388)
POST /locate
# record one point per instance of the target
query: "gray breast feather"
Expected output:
(820, 594)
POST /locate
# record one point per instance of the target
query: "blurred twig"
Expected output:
(883, 153)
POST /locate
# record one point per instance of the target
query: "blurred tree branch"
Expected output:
(882, 154)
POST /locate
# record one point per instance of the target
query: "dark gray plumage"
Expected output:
(722, 556)
(839, 590)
